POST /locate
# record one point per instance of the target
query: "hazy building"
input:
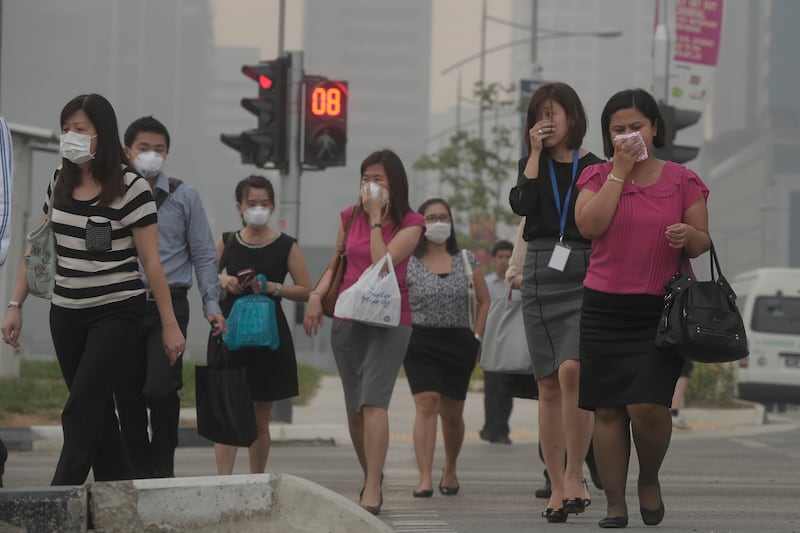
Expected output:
(146, 58)
(383, 49)
(753, 138)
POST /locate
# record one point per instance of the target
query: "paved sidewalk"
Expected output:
(326, 412)
(324, 420)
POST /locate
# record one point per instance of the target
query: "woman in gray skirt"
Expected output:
(369, 357)
(552, 286)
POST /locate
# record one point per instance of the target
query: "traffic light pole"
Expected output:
(290, 180)
(290, 189)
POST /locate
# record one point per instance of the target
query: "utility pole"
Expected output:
(281, 26)
(534, 31)
(482, 69)
(661, 48)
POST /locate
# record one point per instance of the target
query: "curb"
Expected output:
(701, 420)
(50, 438)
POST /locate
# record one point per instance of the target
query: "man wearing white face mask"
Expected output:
(185, 241)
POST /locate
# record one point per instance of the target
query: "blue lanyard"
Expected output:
(562, 208)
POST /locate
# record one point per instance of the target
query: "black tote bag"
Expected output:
(225, 411)
(700, 320)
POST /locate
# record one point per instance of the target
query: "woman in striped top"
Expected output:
(104, 219)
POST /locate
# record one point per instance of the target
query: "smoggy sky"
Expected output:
(236, 25)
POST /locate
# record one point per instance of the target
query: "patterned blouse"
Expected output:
(439, 301)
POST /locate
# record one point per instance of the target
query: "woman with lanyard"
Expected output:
(552, 285)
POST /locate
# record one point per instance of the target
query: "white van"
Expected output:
(769, 300)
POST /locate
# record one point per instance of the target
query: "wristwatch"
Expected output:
(277, 290)
(12, 303)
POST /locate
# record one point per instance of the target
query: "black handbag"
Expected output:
(225, 411)
(700, 320)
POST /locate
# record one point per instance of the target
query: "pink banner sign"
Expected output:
(698, 24)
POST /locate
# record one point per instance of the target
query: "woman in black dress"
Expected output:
(271, 375)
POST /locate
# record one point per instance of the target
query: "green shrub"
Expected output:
(711, 385)
(40, 389)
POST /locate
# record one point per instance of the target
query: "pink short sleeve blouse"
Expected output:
(359, 257)
(633, 256)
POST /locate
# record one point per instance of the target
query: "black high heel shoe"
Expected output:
(555, 516)
(577, 505)
(423, 493)
(574, 505)
(613, 522)
(652, 518)
(372, 509)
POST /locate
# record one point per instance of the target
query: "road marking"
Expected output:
(750, 443)
(415, 521)
(521, 435)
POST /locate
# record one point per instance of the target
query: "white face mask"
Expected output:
(76, 147)
(149, 164)
(257, 216)
(438, 232)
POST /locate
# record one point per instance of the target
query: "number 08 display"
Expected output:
(326, 101)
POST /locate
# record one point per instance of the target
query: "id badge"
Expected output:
(558, 261)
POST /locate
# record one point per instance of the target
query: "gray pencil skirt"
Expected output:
(551, 305)
(368, 359)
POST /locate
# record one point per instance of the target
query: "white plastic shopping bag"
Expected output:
(373, 299)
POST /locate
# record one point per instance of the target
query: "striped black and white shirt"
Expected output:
(106, 270)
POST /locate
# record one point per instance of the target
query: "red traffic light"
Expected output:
(252, 72)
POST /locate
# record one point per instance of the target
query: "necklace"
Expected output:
(254, 246)
(633, 181)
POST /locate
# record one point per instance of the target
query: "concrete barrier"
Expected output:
(270, 503)
(62, 509)
(247, 503)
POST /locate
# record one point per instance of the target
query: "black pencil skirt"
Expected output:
(620, 363)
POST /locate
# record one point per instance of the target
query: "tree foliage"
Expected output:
(477, 172)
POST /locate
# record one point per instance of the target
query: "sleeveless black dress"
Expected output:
(272, 375)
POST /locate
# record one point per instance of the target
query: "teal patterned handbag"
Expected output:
(40, 261)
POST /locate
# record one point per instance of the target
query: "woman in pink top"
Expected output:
(369, 357)
(641, 214)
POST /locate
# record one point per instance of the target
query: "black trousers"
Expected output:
(92, 345)
(149, 382)
(497, 404)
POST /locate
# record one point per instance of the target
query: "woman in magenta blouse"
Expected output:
(641, 213)
(369, 357)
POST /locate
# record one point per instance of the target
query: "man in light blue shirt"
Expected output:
(497, 397)
(184, 241)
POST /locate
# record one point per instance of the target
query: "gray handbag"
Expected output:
(40, 261)
(505, 347)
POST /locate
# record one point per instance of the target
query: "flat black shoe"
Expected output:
(652, 518)
(449, 491)
(574, 505)
(555, 516)
(613, 522)
(423, 493)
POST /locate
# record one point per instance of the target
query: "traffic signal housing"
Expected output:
(325, 124)
(674, 120)
(266, 145)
